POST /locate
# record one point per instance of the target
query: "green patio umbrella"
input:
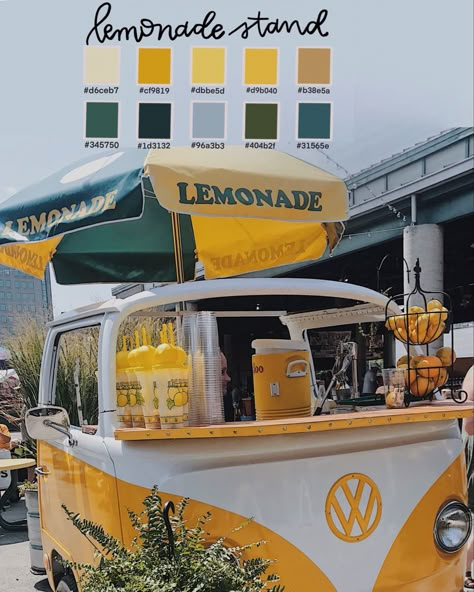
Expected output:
(93, 221)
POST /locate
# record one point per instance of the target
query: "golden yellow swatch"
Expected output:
(261, 66)
(208, 65)
(101, 65)
(154, 65)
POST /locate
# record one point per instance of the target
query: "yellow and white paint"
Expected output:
(350, 509)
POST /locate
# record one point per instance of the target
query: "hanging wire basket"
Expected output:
(427, 316)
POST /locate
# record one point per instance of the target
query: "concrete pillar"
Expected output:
(425, 242)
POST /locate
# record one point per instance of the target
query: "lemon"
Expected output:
(446, 355)
(181, 398)
(122, 400)
(432, 304)
(415, 310)
(402, 360)
(132, 400)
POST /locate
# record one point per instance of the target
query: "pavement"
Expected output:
(15, 575)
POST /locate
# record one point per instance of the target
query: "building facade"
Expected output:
(22, 295)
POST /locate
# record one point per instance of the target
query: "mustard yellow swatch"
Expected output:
(208, 65)
(101, 65)
(154, 65)
(261, 66)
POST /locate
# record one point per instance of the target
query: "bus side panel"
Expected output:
(297, 572)
(72, 480)
(414, 563)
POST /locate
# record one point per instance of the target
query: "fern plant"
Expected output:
(169, 556)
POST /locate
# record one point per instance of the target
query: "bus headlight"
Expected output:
(452, 526)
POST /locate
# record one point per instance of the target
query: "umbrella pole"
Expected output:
(179, 266)
(178, 249)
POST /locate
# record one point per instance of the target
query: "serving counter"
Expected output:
(417, 412)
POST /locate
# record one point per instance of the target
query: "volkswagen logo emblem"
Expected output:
(353, 507)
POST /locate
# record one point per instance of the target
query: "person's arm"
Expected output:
(4, 436)
(468, 386)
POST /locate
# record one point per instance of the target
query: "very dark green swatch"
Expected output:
(314, 121)
(261, 121)
(154, 121)
(102, 120)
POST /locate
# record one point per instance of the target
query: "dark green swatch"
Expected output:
(261, 121)
(102, 120)
(154, 121)
(314, 121)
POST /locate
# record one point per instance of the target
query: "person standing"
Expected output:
(5, 438)
(468, 428)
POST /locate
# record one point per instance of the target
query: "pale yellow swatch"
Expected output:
(208, 65)
(261, 66)
(101, 65)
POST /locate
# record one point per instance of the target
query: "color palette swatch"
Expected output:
(261, 121)
(314, 65)
(197, 99)
(208, 120)
(154, 65)
(208, 65)
(314, 121)
(101, 65)
(260, 66)
(102, 120)
(154, 121)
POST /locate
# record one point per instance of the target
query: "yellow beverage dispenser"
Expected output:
(124, 414)
(135, 397)
(144, 373)
(170, 381)
(281, 379)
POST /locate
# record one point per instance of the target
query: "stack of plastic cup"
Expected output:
(170, 381)
(190, 346)
(144, 359)
(208, 402)
(135, 396)
(124, 415)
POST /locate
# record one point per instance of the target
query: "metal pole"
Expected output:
(413, 210)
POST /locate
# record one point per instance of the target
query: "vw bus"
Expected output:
(365, 499)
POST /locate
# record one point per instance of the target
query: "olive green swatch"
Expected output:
(102, 120)
(261, 121)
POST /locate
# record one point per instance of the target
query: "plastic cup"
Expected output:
(394, 385)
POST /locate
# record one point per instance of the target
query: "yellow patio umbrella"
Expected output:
(250, 209)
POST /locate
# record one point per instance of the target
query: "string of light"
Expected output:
(391, 208)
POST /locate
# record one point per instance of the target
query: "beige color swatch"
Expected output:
(101, 65)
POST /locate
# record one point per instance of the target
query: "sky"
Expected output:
(402, 72)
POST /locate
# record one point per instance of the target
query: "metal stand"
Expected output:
(416, 330)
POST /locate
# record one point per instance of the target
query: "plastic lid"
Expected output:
(281, 344)
(122, 356)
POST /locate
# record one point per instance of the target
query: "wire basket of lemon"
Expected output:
(427, 316)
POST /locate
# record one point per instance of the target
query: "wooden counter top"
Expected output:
(417, 412)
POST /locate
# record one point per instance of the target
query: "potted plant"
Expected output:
(167, 555)
(30, 491)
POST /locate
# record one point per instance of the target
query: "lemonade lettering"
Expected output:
(40, 224)
(211, 194)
